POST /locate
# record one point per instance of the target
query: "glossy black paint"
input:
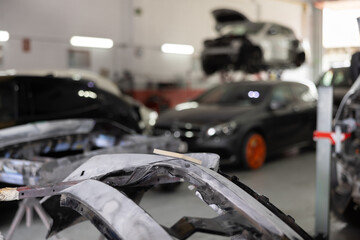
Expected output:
(281, 115)
(25, 99)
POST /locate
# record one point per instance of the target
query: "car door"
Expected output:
(282, 124)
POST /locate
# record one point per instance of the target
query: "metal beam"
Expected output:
(323, 166)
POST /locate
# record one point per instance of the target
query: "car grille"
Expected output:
(178, 132)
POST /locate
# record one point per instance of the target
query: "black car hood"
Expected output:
(228, 15)
(204, 114)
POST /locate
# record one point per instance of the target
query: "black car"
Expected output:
(243, 122)
(49, 95)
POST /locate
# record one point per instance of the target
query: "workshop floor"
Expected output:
(288, 181)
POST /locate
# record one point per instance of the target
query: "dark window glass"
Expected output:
(61, 96)
(286, 31)
(274, 30)
(7, 100)
(336, 77)
(239, 94)
(282, 94)
(302, 93)
(240, 29)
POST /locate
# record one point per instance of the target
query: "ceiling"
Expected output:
(337, 4)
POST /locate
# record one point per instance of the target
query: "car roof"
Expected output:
(264, 83)
(271, 83)
(76, 74)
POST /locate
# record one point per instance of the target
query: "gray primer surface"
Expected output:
(126, 219)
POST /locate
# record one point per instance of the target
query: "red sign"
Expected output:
(26, 45)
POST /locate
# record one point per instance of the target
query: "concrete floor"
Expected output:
(288, 181)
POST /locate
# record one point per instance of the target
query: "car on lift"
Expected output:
(250, 46)
(31, 96)
(245, 121)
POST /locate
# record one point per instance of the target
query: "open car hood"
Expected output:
(226, 16)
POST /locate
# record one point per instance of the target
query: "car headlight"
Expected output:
(222, 129)
(152, 118)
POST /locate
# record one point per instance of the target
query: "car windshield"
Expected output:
(240, 29)
(234, 94)
(336, 77)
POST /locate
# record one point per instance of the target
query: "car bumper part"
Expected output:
(241, 211)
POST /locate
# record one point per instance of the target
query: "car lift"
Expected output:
(325, 139)
(323, 160)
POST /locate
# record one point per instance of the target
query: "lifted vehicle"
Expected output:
(59, 94)
(123, 179)
(250, 46)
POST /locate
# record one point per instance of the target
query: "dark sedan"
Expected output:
(244, 122)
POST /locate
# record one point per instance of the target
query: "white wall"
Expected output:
(49, 24)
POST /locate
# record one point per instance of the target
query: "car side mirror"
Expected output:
(277, 104)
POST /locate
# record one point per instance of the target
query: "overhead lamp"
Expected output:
(4, 36)
(177, 48)
(79, 41)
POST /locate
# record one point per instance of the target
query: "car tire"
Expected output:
(299, 59)
(208, 66)
(254, 61)
(341, 202)
(253, 151)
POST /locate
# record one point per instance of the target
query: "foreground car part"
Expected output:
(242, 213)
(49, 151)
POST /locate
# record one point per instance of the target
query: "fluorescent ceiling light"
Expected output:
(4, 36)
(177, 48)
(79, 41)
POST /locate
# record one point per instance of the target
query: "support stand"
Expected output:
(27, 206)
